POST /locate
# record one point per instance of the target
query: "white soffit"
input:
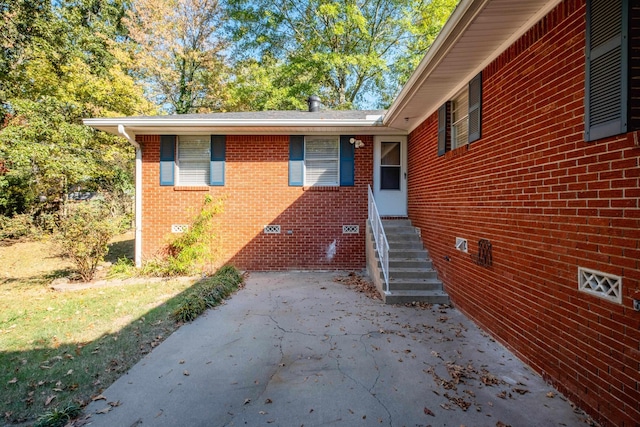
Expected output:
(476, 33)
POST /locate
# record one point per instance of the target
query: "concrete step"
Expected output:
(406, 284)
(411, 273)
(405, 244)
(410, 263)
(406, 253)
(396, 222)
(403, 297)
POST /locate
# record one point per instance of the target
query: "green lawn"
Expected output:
(58, 348)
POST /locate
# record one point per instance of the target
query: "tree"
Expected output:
(344, 49)
(179, 52)
(75, 69)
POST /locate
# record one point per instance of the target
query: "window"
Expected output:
(460, 119)
(321, 161)
(193, 160)
(607, 68)
(190, 160)
(390, 166)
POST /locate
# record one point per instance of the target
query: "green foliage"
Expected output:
(191, 252)
(83, 236)
(16, 227)
(59, 417)
(344, 51)
(124, 268)
(208, 293)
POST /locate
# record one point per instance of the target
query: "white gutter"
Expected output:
(374, 120)
(138, 197)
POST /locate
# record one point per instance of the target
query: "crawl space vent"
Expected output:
(179, 228)
(350, 229)
(601, 284)
(271, 229)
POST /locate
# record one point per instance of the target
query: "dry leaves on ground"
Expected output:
(360, 283)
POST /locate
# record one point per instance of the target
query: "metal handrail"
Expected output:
(382, 245)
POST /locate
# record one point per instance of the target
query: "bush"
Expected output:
(16, 227)
(208, 293)
(189, 253)
(83, 237)
(59, 417)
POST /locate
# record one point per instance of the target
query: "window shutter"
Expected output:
(443, 126)
(218, 157)
(347, 163)
(296, 160)
(475, 108)
(167, 159)
(606, 68)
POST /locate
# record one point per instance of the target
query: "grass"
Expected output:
(60, 349)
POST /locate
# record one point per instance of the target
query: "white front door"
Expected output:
(390, 175)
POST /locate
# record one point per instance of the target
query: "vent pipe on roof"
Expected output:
(314, 103)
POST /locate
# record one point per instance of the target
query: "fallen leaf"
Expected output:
(246, 401)
(268, 401)
(551, 395)
(428, 411)
(49, 400)
(98, 397)
(185, 373)
(104, 410)
(181, 362)
(262, 413)
(12, 381)
(114, 404)
(69, 372)
(520, 390)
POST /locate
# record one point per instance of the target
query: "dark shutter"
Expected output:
(606, 68)
(475, 108)
(218, 157)
(443, 129)
(296, 160)
(167, 159)
(347, 164)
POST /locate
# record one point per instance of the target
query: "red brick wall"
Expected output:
(548, 202)
(256, 193)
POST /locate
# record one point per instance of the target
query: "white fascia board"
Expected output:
(441, 45)
(160, 123)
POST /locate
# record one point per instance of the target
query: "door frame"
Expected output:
(390, 202)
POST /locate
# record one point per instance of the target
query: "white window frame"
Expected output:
(460, 119)
(310, 159)
(204, 163)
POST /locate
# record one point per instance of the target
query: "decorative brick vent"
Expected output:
(271, 229)
(601, 284)
(179, 228)
(350, 229)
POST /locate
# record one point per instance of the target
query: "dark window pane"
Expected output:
(389, 178)
(390, 154)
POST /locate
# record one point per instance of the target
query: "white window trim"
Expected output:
(205, 162)
(307, 140)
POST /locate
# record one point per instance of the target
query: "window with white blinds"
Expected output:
(322, 160)
(460, 119)
(193, 160)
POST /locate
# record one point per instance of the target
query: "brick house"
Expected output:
(515, 149)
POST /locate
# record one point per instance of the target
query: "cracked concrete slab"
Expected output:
(299, 349)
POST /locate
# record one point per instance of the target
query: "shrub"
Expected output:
(190, 252)
(16, 226)
(83, 237)
(208, 293)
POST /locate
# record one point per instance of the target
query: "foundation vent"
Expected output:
(601, 284)
(179, 228)
(271, 229)
(350, 229)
